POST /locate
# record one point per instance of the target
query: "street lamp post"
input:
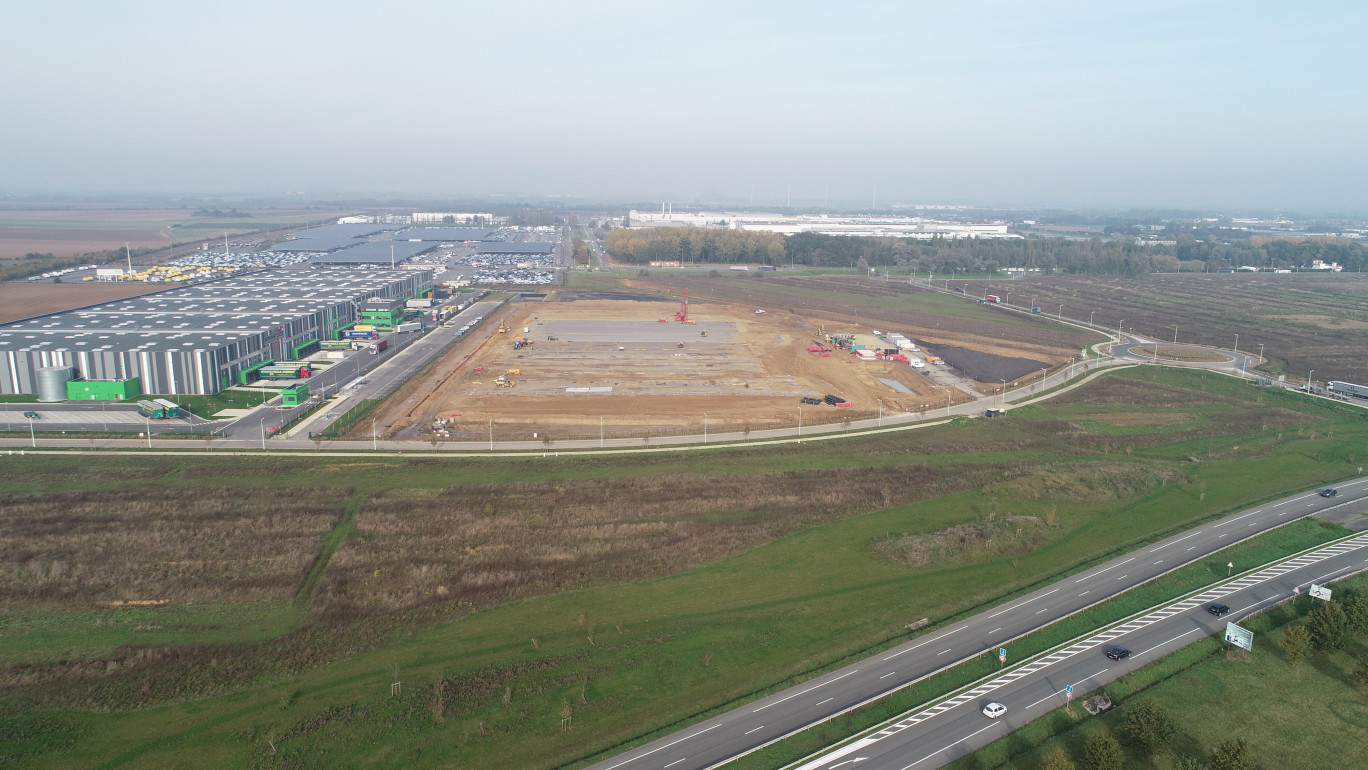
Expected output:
(1059, 315)
(374, 439)
(262, 424)
(1237, 346)
(1175, 335)
(800, 422)
(491, 434)
(1090, 317)
(33, 439)
(600, 433)
(1308, 385)
(705, 427)
(947, 402)
(881, 413)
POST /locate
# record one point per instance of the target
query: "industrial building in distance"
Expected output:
(197, 339)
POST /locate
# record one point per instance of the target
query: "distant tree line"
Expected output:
(34, 263)
(1094, 256)
(221, 214)
(695, 245)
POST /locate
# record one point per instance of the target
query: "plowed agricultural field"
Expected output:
(1304, 321)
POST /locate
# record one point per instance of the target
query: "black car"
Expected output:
(1117, 653)
(1329, 492)
(1217, 609)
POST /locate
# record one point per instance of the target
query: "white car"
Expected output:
(994, 710)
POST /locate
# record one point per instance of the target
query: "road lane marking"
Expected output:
(795, 695)
(890, 673)
(1086, 678)
(942, 652)
(1022, 604)
(915, 646)
(1192, 547)
(1157, 563)
(1099, 572)
(1237, 518)
(1176, 542)
(994, 631)
(1223, 534)
(1174, 639)
(965, 738)
(677, 761)
(1086, 592)
(748, 732)
(1123, 577)
(1047, 609)
(1054, 694)
(662, 748)
(820, 702)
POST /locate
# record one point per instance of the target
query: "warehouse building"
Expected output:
(196, 339)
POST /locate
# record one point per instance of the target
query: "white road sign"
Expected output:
(1240, 637)
(1320, 592)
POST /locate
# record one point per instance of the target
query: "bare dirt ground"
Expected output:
(748, 373)
(21, 299)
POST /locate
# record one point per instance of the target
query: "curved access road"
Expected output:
(720, 739)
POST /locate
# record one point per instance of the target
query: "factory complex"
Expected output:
(198, 339)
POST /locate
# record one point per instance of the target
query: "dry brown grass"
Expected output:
(143, 545)
(992, 537)
(490, 544)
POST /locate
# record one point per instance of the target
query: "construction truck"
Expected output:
(703, 333)
(503, 328)
(513, 372)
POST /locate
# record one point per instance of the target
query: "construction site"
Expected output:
(583, 365)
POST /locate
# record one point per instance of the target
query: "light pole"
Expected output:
(947, 402)
(1090, 317)
(33, 439)
(374, 439)
(600, 434)
(262, 424)
(1308, 388)
(1059, 315)
(705, 427)
(1002, 393)
(881, 413)
(800, 422)
(1237, 346)
(491, 434)
(1261, 352)
(1175, 335)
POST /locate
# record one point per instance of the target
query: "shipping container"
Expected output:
(409, 327)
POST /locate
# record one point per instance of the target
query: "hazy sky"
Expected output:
(1234, 104)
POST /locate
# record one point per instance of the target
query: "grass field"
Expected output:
(698, 578)
(1308, 716)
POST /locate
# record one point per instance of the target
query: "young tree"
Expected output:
(1102, 752)
(1356, 613)
(1148, 725)
(1057, 760)
(1328, 626)
(1295, 644)
(1188, 762)
(1360, 674)
(1231, 755)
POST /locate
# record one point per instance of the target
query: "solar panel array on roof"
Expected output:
(513, 248)
(373, 253)
(445, 234)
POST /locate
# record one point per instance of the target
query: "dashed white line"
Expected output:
(795, 695)
(1047, 609)
(1161, 561)
(1086, 678)
(662, 748)
(748, 732)
(1192, 548)
(915, 646)
(677, 761)
(1099, 572)
(994, 631)
(942, 652)
(1022, 604)
(1176, 542)
(820, 702)
(1086, 592)
(1123, 577)
(1047, 697)
(890, 673)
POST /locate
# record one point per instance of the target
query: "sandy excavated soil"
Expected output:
(749, 372)
(21, 299)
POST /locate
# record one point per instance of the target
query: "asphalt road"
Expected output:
(949, 730)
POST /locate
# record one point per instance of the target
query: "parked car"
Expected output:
(1329, 492)
(1217, 609)
(33, 415)
(1118, 653)
(994, 710)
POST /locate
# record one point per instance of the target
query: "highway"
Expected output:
(954, 728)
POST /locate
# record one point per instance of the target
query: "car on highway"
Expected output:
(1118, 653)
(32, 415)
(1329, 492)
(994, 710)
(1217, 609)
